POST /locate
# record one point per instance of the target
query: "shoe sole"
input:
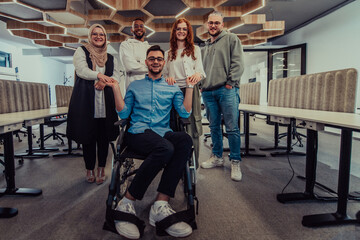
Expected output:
(127, 235)
(152, 223)
(213, 166)
(236, 179)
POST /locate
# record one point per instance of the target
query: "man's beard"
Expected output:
(155, 73)
(139, 37)
(215, 34)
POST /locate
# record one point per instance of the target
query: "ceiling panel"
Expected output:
(235, 3)
(21, 12)
(131, 13)
(246, 29)
(46, 4)
(68, 20)
(165, 8)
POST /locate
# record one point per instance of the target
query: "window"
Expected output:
(5, 59)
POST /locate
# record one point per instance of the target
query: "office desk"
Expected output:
(315, 121)
(277, 114)
(31, 118)
(347, 122)
(7, 126)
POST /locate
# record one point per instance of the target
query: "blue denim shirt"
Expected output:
(149, 102)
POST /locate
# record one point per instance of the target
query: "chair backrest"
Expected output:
(18, 96)
(327, 91)
(250, 93)
(63, 95)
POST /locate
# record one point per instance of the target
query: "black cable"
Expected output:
(292, 176)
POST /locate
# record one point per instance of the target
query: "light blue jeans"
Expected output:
(223, 101)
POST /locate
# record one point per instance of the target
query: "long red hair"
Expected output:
(189, 41)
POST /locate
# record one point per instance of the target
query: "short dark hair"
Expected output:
(140, 19)
(153, 49)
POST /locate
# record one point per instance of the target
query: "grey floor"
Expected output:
(70, 208)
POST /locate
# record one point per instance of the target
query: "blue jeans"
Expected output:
(225, 102)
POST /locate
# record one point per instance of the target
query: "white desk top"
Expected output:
(35, 114)
(335, 119)
(9, 125)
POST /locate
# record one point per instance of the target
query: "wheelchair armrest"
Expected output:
(122, 122)
(184, 121)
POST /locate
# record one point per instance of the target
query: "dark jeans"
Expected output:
(170, 152)
(100, 140)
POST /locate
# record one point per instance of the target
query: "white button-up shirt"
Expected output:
(183, 67)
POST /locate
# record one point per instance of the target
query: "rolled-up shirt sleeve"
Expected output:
(129, 104)
(179, 106)
(81, 67)
(116, 72)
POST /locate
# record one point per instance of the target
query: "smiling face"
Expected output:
(138, 29)
(155, 62)
(98, 37)
(215, 25)
(181, 31)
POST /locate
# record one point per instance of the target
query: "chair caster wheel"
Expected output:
(21, 161)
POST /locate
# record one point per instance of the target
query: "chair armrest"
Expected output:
(122, 122)
(184, 121)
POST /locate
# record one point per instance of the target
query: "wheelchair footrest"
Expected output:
(114, 215)
(187, 216)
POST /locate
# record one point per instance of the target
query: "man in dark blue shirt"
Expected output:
(148, 102)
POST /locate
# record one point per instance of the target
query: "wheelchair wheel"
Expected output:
(125, 168)
(124, 181)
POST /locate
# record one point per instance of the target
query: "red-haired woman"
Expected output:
(182, 61)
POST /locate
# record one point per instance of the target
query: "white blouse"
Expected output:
(83, 71)
(183, 67)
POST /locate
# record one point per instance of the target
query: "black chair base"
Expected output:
(8, 212)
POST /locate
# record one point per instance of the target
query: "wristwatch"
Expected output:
(189, 86)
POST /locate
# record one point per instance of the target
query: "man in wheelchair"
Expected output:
(148, 103)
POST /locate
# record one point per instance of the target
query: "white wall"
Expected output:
(333, 42)
(35, 68)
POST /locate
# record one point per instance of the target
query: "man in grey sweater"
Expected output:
(223, 64)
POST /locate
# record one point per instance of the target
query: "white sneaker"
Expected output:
(212, 162)
(236, 174)
(127, 229)
(180, 229)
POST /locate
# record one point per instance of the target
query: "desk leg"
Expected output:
(247, 139)
(244, 133)
(8, 150)
(10, 171)
(42, 148)
(340, 216)
(311, 162)
(288, 146)
(69, 153)
(276, 140)
(30, 153)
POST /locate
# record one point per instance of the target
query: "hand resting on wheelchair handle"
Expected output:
(148, 103)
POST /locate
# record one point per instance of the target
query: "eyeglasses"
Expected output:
(152, 59)
(183, 29)
(138, 26)
(98, 34)
(214, 23)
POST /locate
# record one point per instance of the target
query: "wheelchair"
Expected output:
(123, 168)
